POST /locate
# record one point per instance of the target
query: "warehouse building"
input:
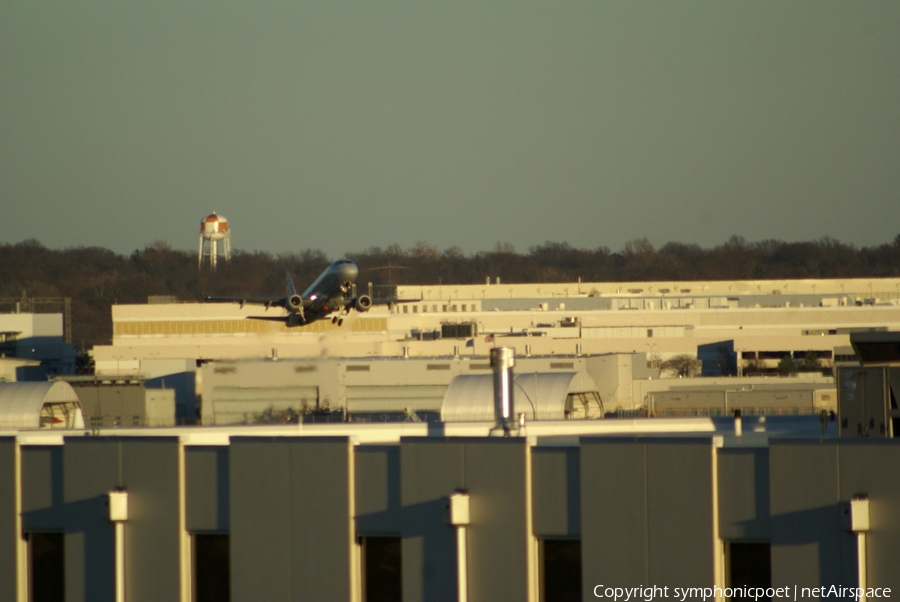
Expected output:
(735, 328)
(420, 513)
(377, 389)
(123, 401)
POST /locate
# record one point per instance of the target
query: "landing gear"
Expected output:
(337, 320)
(340, 321)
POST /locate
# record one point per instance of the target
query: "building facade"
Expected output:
(362, 512)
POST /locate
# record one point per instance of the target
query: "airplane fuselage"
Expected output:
(328, 293)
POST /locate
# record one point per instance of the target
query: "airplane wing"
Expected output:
(267, 301)
(283, 302)
(364, 302)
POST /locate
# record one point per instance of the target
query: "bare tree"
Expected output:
(683, 365)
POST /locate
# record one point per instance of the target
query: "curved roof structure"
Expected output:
(39, 405)
(539, 395)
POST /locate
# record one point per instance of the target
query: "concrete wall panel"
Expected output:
(806, 536)
(870, 469)
(321, 522)
(744, 494)
(377, 489)
(206, 482)
(290, 518)
(151, 476)
(647, 513)
(92, 466)
(613, 513)
(499, 540)
(556, 491)
(8, 532)
(259, 480)
(42, 488)
(431, 470)
(680, 512)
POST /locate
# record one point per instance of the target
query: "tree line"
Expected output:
(96, 278)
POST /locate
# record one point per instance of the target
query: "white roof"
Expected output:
(21, 403)
(539, 395)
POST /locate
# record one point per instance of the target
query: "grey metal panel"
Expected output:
(496, 476)
(259, 482)
(152, 532)
(293, 394)
(647, 512)
(664, 400)
(290, 518)
(207, 489)
(91, 468)
(377, 489)
(894, 392)
(851, 406)
(8, 531)
(869, 468)
(805, 514)
(321, 525)
(681, 546)
(104, 404)
(613, 514)
(430, 470)
(744, 494)
(877, 400)
(374, 398)
(556, 491)
(42, 488)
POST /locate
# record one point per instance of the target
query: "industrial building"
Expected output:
(869, 392)
(342, 512)
(369, 389)
(506, 508)
(459, 389)
(746, 321)
(742, 332)
(33, 347)
(123, 402)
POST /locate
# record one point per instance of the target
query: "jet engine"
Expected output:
(362, 303)
(295, 304)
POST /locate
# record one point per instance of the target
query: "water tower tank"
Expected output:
(214, 228)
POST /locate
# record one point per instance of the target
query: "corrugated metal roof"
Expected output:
(21, 403)
(539, 395)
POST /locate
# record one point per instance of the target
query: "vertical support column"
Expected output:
(459, 518)
(185, 564)
(718, 544)
(859, 524)
(22, 594)
(355, 545)
(118, 514)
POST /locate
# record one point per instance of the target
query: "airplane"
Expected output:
(331, 295)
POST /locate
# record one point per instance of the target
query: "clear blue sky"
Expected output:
(340, 125)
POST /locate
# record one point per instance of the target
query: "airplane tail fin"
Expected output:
(290, 284)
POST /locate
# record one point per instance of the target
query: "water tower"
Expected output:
(214, 228)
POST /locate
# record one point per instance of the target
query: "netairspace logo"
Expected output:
(682, 594)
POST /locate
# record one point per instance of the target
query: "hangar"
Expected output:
(29, 405)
